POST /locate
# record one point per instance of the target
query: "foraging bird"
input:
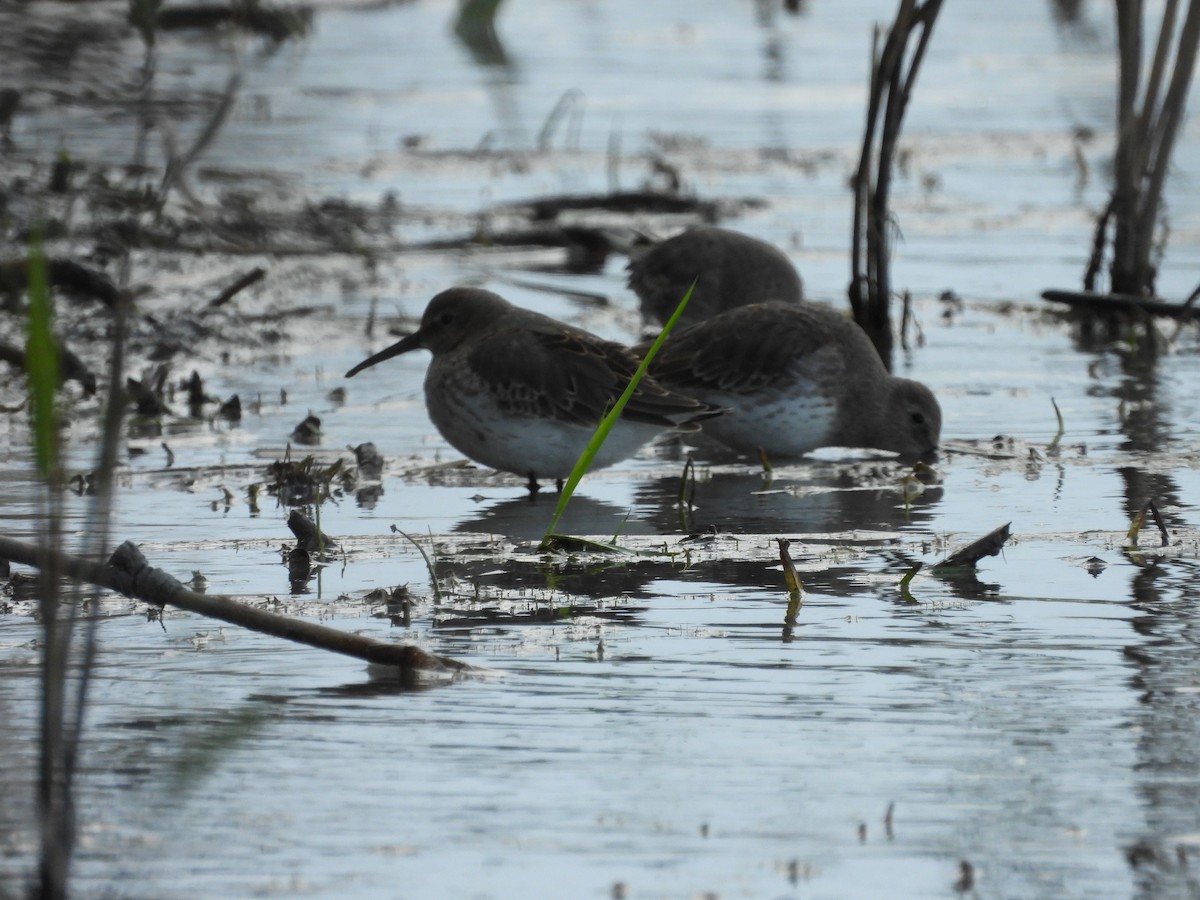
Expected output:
(522, 392)
(731, 269)
(795, 377)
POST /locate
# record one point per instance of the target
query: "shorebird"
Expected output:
(795, 377)
(522, 392)
(733, 269)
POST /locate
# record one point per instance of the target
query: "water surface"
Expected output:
(663, 733)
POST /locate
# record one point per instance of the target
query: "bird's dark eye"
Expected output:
(918, 418)
(445, 318)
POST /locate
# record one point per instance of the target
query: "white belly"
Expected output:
(528, 445)
(782, 424)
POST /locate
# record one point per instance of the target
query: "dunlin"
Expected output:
(795, 377)
(522, 392)
(732, 269)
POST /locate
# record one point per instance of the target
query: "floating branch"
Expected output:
(70, 366)
(128, 573)
(276, 23)
(988, 545)
(628, 202)
(1121, 303)
(258, 273)
(64, 274)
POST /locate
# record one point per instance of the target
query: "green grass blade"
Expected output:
(433, 579)
(1052, 447)
(41, 363)
(610, 419)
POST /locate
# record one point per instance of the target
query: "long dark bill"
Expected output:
(412, 342)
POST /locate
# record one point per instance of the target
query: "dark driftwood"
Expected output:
(1120, 303)
(128, 573)
(277, 23)
(70, 366)
(548, 208)
(254, 275)
(61, 273)
(308, 536)
(988, 545)
(587, 248)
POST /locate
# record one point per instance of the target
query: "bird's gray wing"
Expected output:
(571, 376)
(755, 347)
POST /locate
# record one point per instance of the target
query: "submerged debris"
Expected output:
(306, 481)
(308, 536)
(231, 409)
(308, 431)
(147, 394)
(369, 461)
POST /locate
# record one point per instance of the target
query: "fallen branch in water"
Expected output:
(1120, 303)
(255, 275)
(70, 366)
(276, 23)
(988, 545)
(62, 273)
(128, 573)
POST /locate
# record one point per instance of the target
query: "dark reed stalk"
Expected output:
(63, 708)
(1147, 125)
(893, 78)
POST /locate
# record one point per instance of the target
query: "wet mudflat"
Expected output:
(647, 725)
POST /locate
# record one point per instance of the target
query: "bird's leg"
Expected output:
(533, 485)
(558, 485)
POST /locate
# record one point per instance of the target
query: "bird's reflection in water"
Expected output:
(526, 518)
(814, 496)
(821, 498)
(826, 501)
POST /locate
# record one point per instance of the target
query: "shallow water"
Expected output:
(667, 735)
